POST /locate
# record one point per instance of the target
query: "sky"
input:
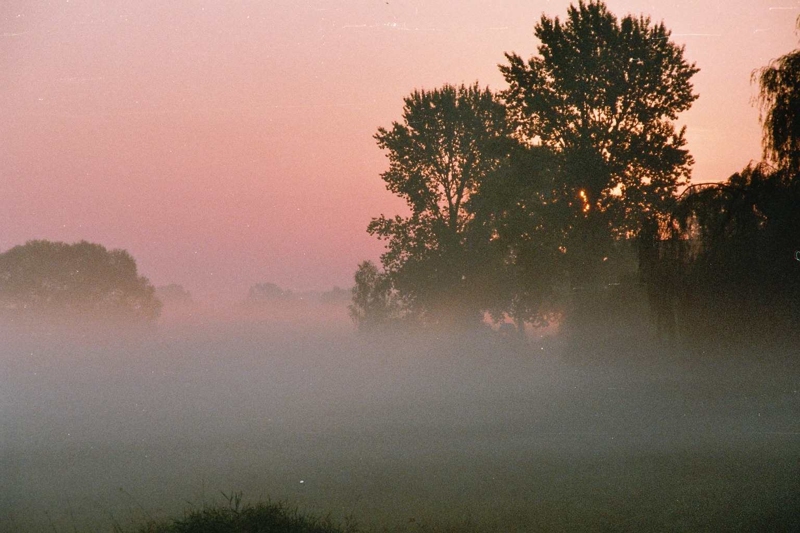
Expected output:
(225, 143)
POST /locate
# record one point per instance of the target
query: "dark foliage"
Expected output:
(525, 221)
(779, 97)
(534, 210)
(240, 517)
(448, 143)
(55, 279)
(603, 95)
(727, 270)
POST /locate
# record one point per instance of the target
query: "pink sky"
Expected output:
(226, 143)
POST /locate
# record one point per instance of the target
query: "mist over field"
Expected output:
(410, 266)
(113, 427)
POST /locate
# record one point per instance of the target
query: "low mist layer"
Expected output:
(110, 428)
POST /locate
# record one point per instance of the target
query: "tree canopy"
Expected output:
(527, 235)
(514, 197)
(43, 278)
(603, 95)
(449, 142)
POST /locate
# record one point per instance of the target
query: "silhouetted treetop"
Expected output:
(447, 141)
(603, 93)
(450, 140)
(43, 278)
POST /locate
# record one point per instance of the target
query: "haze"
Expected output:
(646, 384)
(110, 428)
(229, 143)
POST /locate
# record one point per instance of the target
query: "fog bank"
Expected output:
(110, 428)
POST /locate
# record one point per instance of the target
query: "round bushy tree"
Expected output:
(43, 278)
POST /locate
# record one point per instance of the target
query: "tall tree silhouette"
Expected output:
(779, 97)
(449, 141)
(603, 94)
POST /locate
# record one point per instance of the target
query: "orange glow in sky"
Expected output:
(226, 143)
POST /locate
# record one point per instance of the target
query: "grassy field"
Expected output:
(694, 492)
(429, 435)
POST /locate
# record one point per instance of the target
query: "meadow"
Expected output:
(105, 430)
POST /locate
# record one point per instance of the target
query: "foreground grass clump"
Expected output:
(238, 517)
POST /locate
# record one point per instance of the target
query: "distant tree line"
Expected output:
(175, 295)
(265, 294)
(532, 202)
(55, 280)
